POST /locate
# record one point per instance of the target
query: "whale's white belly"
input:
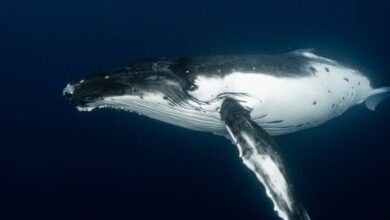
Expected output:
(284, 105)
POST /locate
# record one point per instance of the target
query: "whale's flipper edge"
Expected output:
(260, 153)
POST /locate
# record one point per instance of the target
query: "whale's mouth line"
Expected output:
(187, 102)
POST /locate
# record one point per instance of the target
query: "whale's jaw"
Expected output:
(132, 84)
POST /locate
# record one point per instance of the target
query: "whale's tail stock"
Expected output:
(376, 97)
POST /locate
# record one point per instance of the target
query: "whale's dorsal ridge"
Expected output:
(304, 51)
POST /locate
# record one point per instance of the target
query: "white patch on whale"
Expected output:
(310, 100)
(271, 171)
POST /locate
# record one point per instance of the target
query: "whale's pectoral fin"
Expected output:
(260, 153)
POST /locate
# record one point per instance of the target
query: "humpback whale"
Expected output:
(246, 98)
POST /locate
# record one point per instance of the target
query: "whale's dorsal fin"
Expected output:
(260, 154)
(304, 51)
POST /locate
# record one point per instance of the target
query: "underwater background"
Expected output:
(58, 163)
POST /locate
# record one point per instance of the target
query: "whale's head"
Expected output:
(144, 85)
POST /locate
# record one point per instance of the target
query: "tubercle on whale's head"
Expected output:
(90, 93)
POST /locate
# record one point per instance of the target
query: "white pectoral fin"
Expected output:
(261, 155)
(376, 97)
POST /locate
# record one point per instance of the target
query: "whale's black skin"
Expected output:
(153, 74)
(281, 65)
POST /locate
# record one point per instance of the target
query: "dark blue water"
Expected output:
(57, 163)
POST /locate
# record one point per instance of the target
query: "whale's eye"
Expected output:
(193, 87)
